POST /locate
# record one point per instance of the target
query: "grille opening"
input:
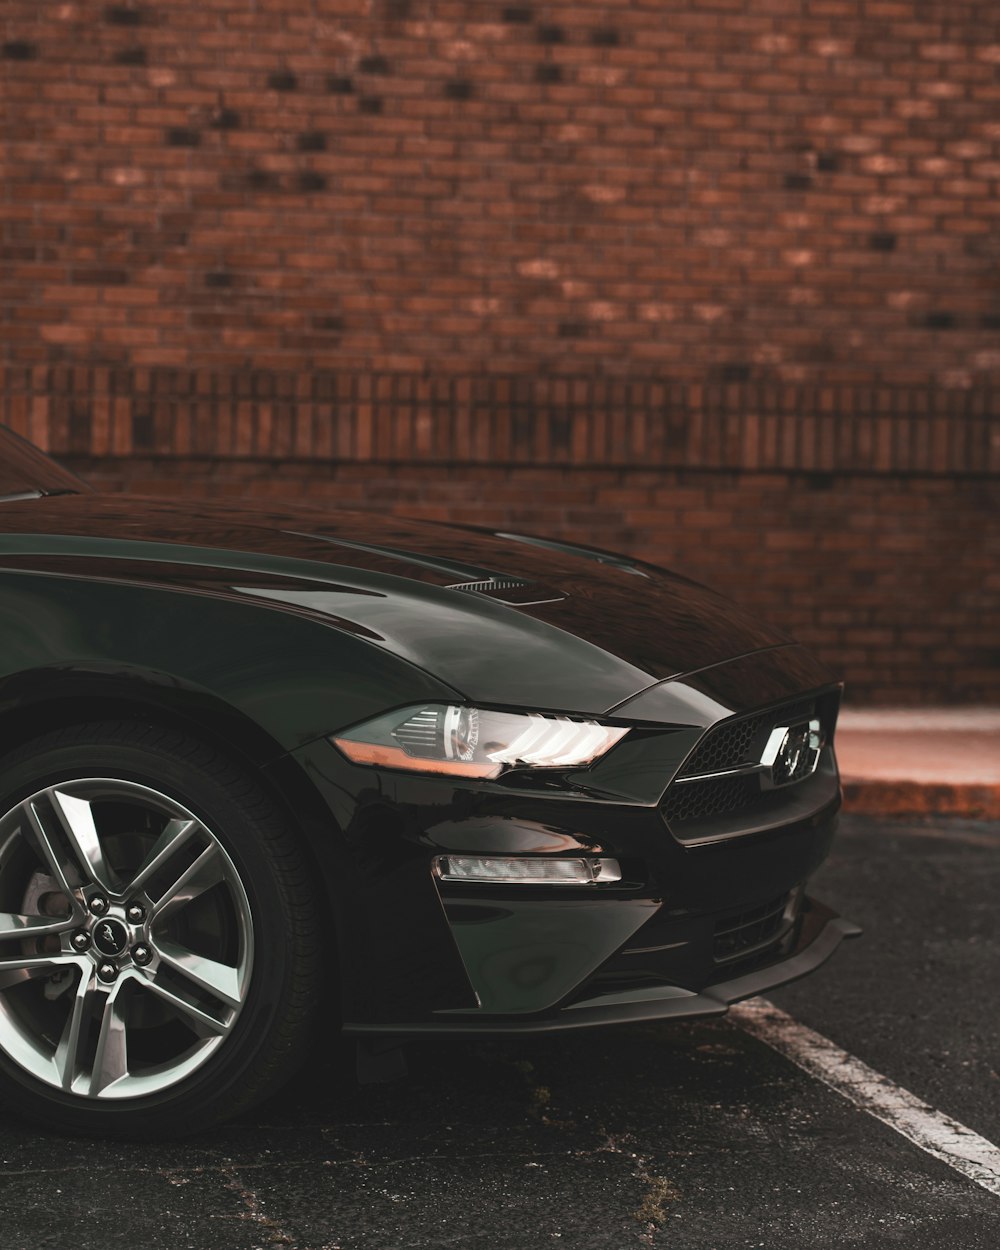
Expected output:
(741, 741)
(712, 797)
(701, 949)
(736, 936)
(701, 806)
(727, 747)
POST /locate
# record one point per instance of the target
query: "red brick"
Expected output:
(701, 199)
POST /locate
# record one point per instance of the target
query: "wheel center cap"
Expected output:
(110, 937)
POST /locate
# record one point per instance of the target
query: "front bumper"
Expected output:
(420, 955)
(821, 933)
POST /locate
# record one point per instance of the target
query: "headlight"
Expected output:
(471, 742)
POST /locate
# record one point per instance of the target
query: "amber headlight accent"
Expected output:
(472, 742)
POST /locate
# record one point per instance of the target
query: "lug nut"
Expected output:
(80, 941)
(141, 954)
(107, 971)
(99, 905)
(135, 913)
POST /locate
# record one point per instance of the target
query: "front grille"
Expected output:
(739, 741)
(713, 797)
(736, 936)
(728, 747)
(723, 788)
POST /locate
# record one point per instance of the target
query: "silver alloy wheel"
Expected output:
(126, 939)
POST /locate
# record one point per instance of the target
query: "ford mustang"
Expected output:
(273, 777)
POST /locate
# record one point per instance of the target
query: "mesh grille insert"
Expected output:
(737, 934)
(727, 747)
(715, 797)
(740, 741)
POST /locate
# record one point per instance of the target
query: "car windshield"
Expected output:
(24, 470)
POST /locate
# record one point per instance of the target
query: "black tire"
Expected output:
(262, 910)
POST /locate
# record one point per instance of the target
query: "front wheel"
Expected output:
(157, 934)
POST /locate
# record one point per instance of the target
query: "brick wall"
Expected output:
(727, 272)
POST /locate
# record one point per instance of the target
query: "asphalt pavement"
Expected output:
(688, 1136)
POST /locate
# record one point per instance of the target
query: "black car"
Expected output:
(268, 773)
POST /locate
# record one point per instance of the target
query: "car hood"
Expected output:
(501, 618)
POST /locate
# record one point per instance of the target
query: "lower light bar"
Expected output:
(524, 870)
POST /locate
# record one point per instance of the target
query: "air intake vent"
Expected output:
(512, 590)
(492, 585)
(737, 936)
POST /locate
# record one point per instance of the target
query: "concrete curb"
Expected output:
(941, 761)
(914, 798)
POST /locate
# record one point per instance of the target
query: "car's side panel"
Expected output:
(485, 649)
(295, 678)
(255, 679)
(397, 957)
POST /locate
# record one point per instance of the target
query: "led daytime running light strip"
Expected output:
(526, 870)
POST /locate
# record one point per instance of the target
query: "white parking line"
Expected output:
(937, 1134)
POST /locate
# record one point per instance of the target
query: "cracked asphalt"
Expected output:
(688, 1136)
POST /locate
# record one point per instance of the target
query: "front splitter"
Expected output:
(662, 1003)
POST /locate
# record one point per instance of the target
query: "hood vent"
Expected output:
(511, 590)
(503, 587)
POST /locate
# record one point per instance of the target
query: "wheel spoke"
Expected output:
(77, 819)
(206, 871)
(175, 834)
(15, 926)
(111, 1057)
(17, 968)
(203, 1022)
(52, 962)
(218, 979)
(67, 1056)
(60, 870)
(14, 976)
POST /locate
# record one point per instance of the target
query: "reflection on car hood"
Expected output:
(501, 618)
